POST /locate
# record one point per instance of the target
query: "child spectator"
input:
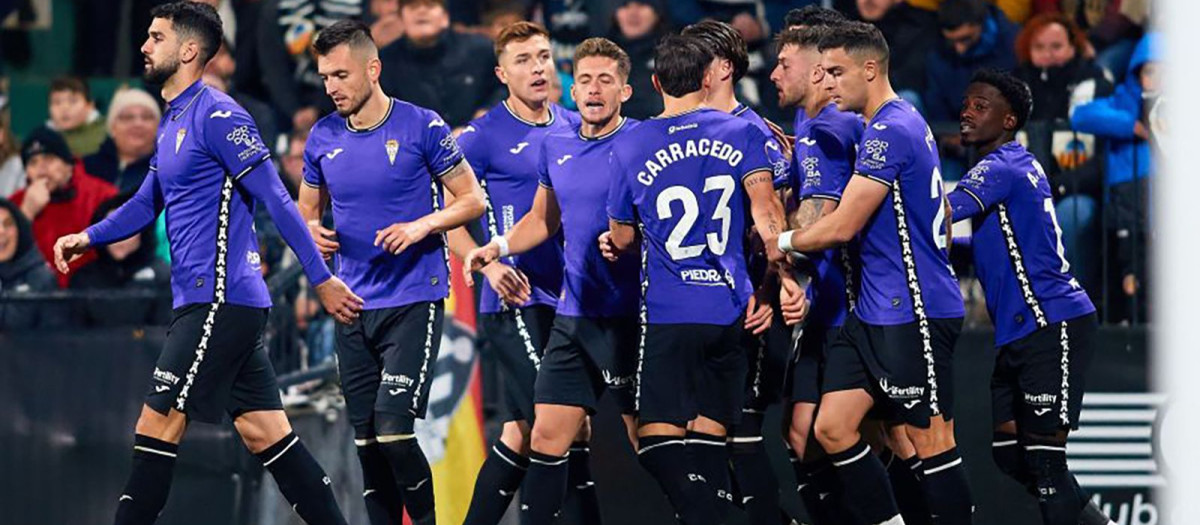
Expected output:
(73, 114)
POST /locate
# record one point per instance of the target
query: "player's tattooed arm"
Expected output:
(312, 202)
(860, 200)
(809, 211)
(766, 210)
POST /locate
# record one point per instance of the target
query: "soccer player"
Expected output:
(766, 341)
(517, 308)
(684, 180)
(1045, 323)
(593, 344)
(209, 167)
(381, 161)
(896, 348)
(821, 168)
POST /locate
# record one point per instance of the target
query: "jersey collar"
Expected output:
(597, 138)
(549, 106)
(682, 113)
(377, 125)
(181, 103)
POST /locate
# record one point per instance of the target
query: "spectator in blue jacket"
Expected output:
(1124, 119)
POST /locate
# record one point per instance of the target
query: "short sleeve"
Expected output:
(232, 138)
(620, 195)
(826, 166)
(756, 156)
(474, 148)
(438, 146)
(988, 183)
(882, 154)
(313, 176)
(543, 167)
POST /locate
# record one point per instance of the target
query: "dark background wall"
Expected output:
(68, 402)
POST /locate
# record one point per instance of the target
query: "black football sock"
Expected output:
(864, 481)
(710, 454)
(581, 486)
(385, 506)
(1059, 497)
(411, 470)
(149, 481)
(498, 481)
(905, 476)
(1009, 456)
(667, 459)
(756, 481)
(302, 481)
(946, 488)
(816, 484)
(544, 489)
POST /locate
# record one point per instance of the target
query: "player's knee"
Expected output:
(261, 429)
(585, 431)
(548, 440)
(708, 426)
(797, 435)
(833, 433)
(167, 428)
(929, 442)
(515, 436)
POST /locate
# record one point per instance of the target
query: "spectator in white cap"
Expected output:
(124, 157)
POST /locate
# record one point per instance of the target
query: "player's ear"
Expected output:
(1010, 122)
(626, 92)
(871, 70)
(188, 50)
(374, 69)
(573, 97)
(503, 78)
(657, 85)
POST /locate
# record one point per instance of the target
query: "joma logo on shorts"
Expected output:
(396, 379)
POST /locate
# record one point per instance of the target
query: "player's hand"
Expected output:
(607, 249)
(68, 248)
(509, 283)
(37, 196)
(339, 301)
(759, 313)
(478, 258)
(771, 247)
(793, 300)
(325, 238)
(398, 237)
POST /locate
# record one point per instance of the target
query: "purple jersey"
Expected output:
(679, 178)
(775, 155)
(906, 273)
(576, 169)
(1017, 244)
(823, 164)
(503, 150)
(208, 168)
(376, 177)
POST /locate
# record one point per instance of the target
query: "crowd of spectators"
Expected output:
(1092, 70)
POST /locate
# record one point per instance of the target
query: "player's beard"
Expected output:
(356, 105)
(159, 74)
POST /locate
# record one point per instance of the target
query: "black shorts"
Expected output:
(386, 359)
(767, 357)
(517, 337)
(809, 364)
(1039, 379)
(214, 363)
(585, 357)
(689, 370)
(909, 371)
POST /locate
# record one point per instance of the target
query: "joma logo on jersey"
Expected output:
(676, 151)
(396, 379)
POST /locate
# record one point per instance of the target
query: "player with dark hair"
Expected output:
(812, 15)
(766, 341)
(593, 343)
(517, 307)
(1045, 323)
(382, 163)
(209, 168)
(821, 168)
(676, 179)
(896, 348)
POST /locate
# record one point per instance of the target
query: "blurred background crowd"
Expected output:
(77, 127)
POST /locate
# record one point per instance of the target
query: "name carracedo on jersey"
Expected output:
(676, 151)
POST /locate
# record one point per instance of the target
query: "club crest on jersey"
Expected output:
(179, 138)
(392, 148)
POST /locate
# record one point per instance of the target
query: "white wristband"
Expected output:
(501, 243)
(785, 242)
